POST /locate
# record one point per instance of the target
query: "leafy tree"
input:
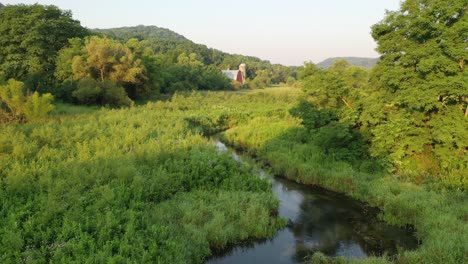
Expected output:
(213, 79)
(339, 66)
(155, 73)
(421, 87)
(291, 81)
(424, 48)
(312, 118)
(102, 59)
(108, 59)
(190, 59)
(30, 37)
(182, 77)
(69, 61)
(356, 77)
(262, 80)
(13, 96)
(88, 91)
(341, 88)
(329, 88)
(335, 138)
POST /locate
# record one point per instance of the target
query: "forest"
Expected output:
(106, 152)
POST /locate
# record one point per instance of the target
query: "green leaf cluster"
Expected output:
(421, 89)
(15, 105)
(411, 109)
(30, 37)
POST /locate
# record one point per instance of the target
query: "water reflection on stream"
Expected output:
(318, 221)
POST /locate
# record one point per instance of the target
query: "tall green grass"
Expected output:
(144, 185)
(133, 185)
(439, 216)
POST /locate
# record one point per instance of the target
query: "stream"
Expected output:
(318, 220)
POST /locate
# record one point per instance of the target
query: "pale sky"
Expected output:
(287, 32)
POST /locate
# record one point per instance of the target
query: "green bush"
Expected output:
(88, 91)
(114, 95)
(312, 118)
(17, 106)
(336, 139)
(108, 93)
(64, 91)
(213, 79)
(37, 107)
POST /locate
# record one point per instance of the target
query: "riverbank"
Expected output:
(440, 216)
(142, 184)
(132, 185)
(318, 221)
(260, 124)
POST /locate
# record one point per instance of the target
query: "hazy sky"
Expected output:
(288, 32)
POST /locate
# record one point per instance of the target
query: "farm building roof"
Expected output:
(231, 74)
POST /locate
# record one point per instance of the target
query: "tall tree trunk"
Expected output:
(466, 111)
(102, 74)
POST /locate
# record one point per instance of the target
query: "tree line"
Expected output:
(49, 52)
(411, 110)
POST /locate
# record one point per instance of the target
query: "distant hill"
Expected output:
(171, 44)
(141, 32)
(357, 61)
(1, 6)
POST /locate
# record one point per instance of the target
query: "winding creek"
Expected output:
(318, 220)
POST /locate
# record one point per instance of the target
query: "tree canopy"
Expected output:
(423, 88)
(44, 47)
(100, 58)
(171, 45)
(30, 37)
(424, 47)
(412, 107)
(141, 33)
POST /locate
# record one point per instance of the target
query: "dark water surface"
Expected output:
(318, 220)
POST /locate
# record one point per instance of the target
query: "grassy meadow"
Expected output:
(144, 185)
(439, 214)
(106, 136)
(138, 184)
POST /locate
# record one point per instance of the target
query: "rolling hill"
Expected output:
(141, 32)
(172, 44)
(357, 61)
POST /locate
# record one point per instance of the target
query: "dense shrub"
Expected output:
(312, 118)
(14, 105)
(131, 185)
(108, 93)
(213, 79)
(335, 138)
(315, 157)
